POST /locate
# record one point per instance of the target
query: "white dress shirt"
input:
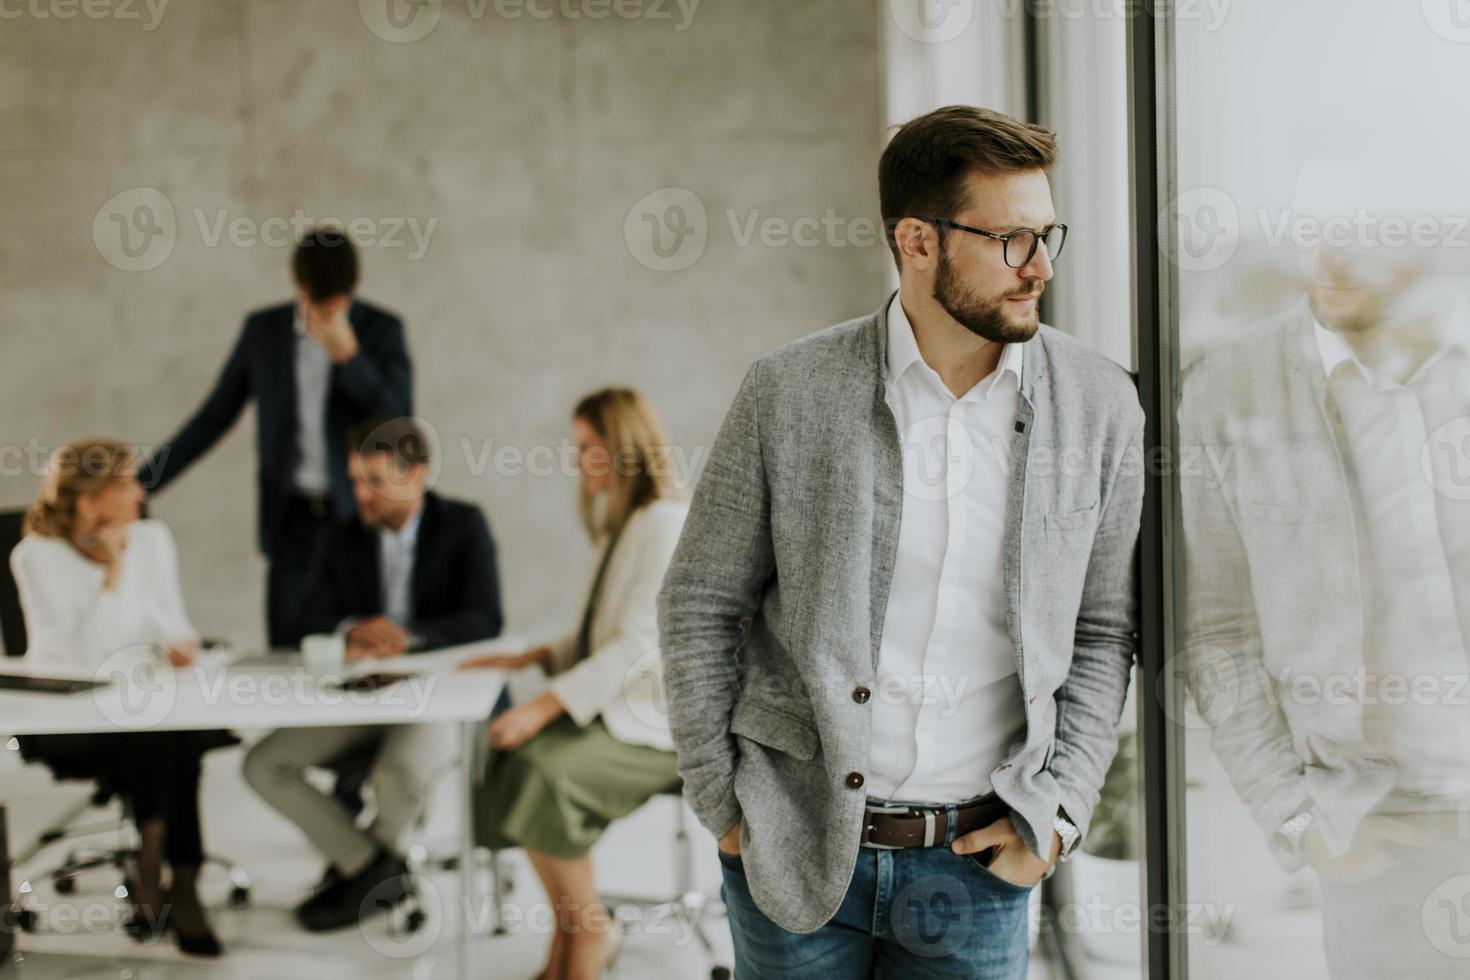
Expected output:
(1419, 545)
(622, 677)
(72, 622)
(313, 381)
(395, 563)
(948, 703)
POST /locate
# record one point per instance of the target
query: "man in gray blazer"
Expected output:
(898, 628)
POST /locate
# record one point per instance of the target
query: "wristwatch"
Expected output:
(1069, 834)
(1290, 834)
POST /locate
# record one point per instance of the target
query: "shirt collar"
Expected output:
(1334, 350)
(406, 536)
(903, 353)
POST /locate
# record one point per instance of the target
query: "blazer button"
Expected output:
(861, 695)
(854, 780)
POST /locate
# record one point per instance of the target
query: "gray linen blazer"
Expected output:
(772, 610)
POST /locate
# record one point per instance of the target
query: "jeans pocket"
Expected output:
(730, 862)
(978, 862)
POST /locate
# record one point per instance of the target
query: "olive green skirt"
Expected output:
(561, 789)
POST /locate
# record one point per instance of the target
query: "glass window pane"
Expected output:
(1323, 470)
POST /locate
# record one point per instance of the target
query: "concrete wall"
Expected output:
(523, 148)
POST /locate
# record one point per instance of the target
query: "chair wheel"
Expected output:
(25, 919)
(239, 898)
(65, 886)
(719, 973)
(415, 920)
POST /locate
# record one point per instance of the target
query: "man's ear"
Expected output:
(917, 241)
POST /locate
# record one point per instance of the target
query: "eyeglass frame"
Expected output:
(1005, 239)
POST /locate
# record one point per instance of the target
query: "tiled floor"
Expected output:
(263, 943)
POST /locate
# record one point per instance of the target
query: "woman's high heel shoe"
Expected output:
(205, 943)
(145, 927)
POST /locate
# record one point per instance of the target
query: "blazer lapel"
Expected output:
(421, 580)
(887, 476)
(283, 338)
(370, 574)
(1033, 404)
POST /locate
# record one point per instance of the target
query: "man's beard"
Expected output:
(987, 318)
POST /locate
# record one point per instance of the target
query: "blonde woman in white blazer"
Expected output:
(596, 745)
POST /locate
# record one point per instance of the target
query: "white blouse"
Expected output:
(72, 622)
(622, 677)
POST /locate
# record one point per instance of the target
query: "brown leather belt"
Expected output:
(921, 826)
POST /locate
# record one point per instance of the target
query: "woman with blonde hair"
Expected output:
(596, 745)
(96, 582)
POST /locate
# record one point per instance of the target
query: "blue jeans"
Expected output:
(917, 912)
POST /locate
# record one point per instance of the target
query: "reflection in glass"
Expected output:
(1324, 479)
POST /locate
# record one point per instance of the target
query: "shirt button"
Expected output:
(854, 780)
(861, 695)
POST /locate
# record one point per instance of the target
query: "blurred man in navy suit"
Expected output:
(316, 368)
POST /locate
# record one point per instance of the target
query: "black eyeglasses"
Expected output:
(1025, 240)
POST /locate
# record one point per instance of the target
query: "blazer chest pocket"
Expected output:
(1072, 520)
(774, 729)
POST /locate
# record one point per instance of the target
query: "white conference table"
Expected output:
(272, 690)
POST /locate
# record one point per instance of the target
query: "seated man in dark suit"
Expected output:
(315, 368)
(412, 572)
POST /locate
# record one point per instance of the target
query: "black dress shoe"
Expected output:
(377, 888)
(320, 890)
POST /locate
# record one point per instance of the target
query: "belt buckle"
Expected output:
(869, 827)
(929, 824)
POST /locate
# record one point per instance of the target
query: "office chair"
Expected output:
(687, 904)
(122, 855)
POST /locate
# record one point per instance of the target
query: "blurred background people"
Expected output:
(315, 368)
(595, 746)
(100, 588)
(412, 571)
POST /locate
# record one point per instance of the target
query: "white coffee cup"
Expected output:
(323, 654)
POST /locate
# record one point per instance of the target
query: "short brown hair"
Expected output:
(923, 169)
(399, 436)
